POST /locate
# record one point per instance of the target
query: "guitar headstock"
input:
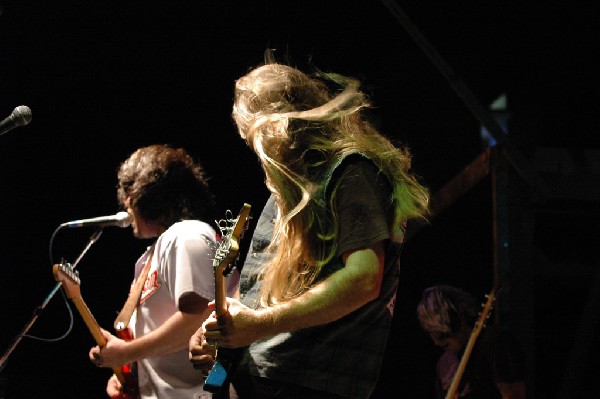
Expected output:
(69, 277)
(231, 231)
(486, 309)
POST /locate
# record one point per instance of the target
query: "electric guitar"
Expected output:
(226, 255)
(479, 324)
(69, 278)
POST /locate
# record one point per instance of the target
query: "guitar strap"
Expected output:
(122, 320)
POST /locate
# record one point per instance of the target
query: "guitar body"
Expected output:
(220, 374)
(225, 257)
(128, 393)
(129, 384)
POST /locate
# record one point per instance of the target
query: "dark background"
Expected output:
(104, 78)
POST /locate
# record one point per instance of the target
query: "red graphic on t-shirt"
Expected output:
(151, 285)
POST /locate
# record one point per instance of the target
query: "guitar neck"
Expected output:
(470, 345)
(221, 279)
(461, 367)
(225, 257)
(220, 293)
(94, 328)
(89, 320)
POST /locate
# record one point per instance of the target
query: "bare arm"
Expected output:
(343, 292)
(346, 290)
(171, 336)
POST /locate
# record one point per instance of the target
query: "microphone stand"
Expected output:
(38, 311)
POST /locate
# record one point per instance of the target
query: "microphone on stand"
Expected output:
(20, 116)
(121, 219)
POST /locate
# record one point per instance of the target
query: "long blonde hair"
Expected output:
(300, 130)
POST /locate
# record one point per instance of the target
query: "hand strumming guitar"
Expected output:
(201, 354)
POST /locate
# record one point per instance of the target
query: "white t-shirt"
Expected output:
(182, 262)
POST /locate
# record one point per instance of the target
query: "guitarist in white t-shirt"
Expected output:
(167, 196)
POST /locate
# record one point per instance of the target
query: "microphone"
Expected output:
(19, 117)
(121, 219)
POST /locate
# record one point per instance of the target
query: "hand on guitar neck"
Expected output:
(204, 355)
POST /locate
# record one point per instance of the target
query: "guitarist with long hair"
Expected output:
(168, 198)
(317, 290)
(495, 366)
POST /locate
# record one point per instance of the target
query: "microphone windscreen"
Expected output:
(22, 115)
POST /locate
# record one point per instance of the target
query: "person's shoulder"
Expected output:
(189, 229)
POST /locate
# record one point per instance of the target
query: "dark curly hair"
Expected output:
(165, 185)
